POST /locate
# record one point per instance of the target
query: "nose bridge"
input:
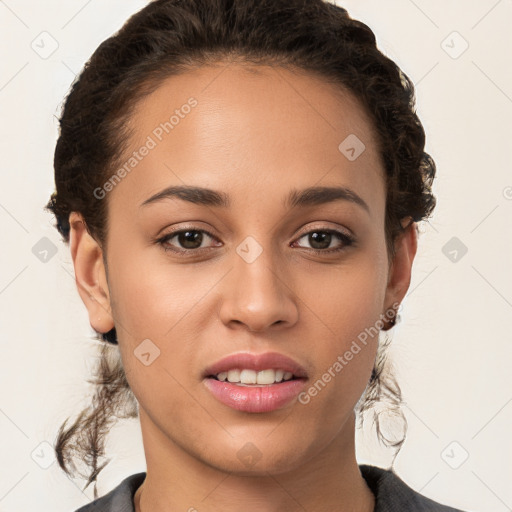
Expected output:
(257, 294)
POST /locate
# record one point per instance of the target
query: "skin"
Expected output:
(256, 133)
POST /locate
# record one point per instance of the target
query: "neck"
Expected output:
(175, 480)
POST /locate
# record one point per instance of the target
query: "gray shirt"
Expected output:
(391, 494)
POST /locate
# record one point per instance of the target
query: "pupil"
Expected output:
(188, 239)
(322, 238)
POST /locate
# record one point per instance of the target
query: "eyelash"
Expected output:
(343, 237)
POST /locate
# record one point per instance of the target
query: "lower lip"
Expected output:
(255, 398)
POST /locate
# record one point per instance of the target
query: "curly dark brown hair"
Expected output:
(169, 37)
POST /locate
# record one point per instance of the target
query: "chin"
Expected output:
(257, 458)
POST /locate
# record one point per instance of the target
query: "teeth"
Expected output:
(245, 376)
(266, 377)
(233, 376)
(248, 377)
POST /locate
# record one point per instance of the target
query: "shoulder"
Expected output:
(393, 495)
(119, 499)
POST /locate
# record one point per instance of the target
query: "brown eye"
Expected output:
(320, 240)
(186, 240)
(190, 239)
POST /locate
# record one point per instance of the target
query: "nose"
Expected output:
(258, 294)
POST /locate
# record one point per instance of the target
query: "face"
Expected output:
(198, 276)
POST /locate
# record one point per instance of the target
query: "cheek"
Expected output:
(350, 297)
(153, 299)
(159, 313)
(348, 307)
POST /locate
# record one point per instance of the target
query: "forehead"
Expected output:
(229, 125)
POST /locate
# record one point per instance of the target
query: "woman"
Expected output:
(240, 183)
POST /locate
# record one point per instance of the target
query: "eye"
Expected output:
(321, 240)
(189, 239)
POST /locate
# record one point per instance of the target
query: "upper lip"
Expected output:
(256, 362)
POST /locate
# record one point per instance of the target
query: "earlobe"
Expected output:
(90, 274)
(399, 277)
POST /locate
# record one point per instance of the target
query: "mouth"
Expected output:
(255, 382)
(249, 368)
(253, 378)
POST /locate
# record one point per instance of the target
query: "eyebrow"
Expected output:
(311, 196)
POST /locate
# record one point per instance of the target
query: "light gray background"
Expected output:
(452, 351)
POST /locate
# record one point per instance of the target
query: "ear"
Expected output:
(400, 267)
(90, 274)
